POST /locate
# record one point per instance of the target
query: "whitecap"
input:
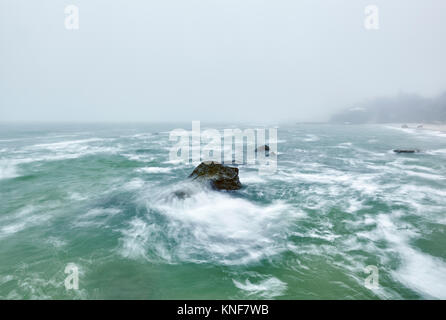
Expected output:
(154, 170)
(134, 184)
(22, 219)
(56, 242)
(75, 196)
(139, 157)
(96, 217)
(251, 178)
(310, 138)
(437, 152)
(422, 273)
(64, 145)
(427, 176)
(419, 271)
(8, 169)
(207, 226)
(266, 289)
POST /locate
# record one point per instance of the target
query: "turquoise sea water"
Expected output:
(100, 197)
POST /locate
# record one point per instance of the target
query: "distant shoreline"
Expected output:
(426, 126)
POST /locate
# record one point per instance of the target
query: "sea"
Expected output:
(89, 211)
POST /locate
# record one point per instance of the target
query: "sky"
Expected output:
(213, 60)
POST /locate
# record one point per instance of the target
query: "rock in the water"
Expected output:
(404, 126)
(265, 149)
(181, 194)
(406, 150)
(262, 148)
(219, 176)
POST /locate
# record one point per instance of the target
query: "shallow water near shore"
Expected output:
(100, 196)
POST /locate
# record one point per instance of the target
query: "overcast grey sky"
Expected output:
(213, 60)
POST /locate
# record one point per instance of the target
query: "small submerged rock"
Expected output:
(182, 191)
(406, 150)
(181, 194)
(265, 148)
(219, 176)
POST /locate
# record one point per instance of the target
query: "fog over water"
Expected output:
(213, 60)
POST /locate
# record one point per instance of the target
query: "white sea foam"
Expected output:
(418, 271)
(310, 138)
(154, 170)
(135, 239)
(56, 242)
(423, 273)
(405, 167)
(145, 240)
(22, 219)
(66, 145)
(251, 178)
(8, 169)
(96, 212)
(437, 152)
(176, 162)
(266, 289)
(139, 157)
(427, 176)
(96, 217)
(61, 151)
(134, 184)
(75, 196)
(143, 135)
(410, 191)
(208, 226)
(366, 184)
(354, 205)
(422, 133)
(39, 286)
(327, 177)
(345, 145)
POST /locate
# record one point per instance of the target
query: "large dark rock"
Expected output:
(219, 176)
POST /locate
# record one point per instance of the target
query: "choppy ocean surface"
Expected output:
(100, 197)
